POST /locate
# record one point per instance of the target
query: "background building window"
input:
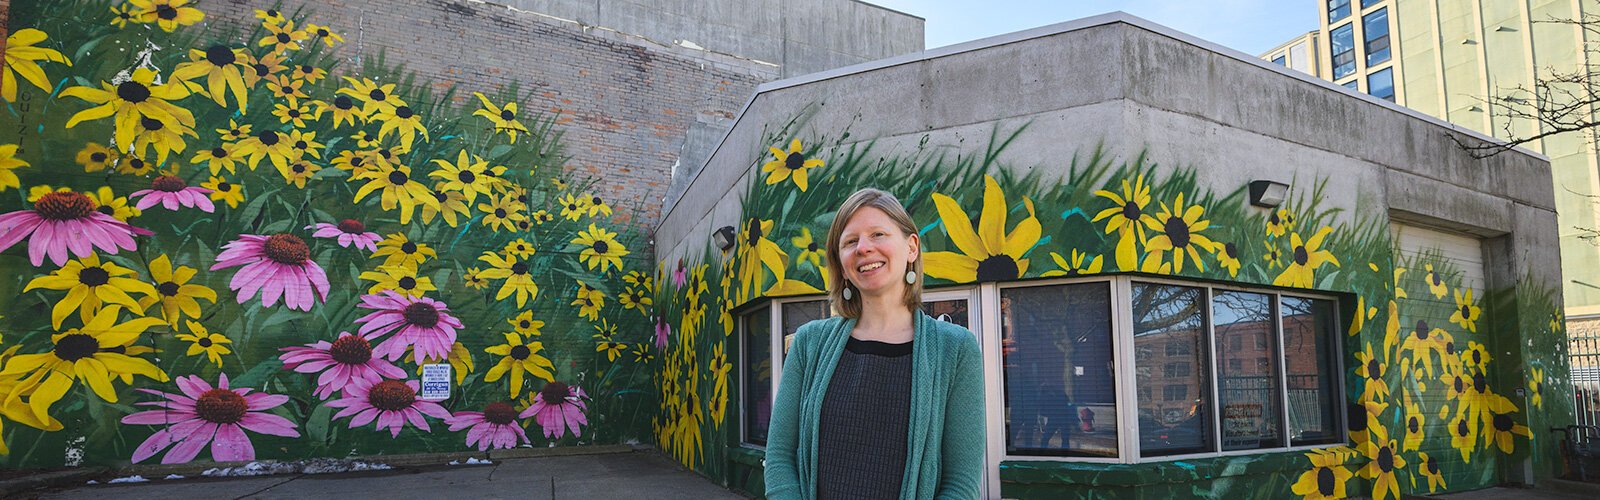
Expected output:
(1338, 9)
(1311, 354)
(1352, 84)
(1281, 61)
(1381, 84)
(1343, 50)
(755, 367)
(1369, 3)
(1163, 314)
(1375, 28)
(1060, 389)
(1250, 394)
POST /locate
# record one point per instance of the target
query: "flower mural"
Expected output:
(202, 414)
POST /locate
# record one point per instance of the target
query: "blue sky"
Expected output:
(1251, 26)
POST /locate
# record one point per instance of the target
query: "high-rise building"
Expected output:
(1299, 54)
(1450, 59)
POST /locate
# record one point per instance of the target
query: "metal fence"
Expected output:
(1583, 339)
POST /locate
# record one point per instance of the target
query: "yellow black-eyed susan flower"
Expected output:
(988, 254)
(270, 17)
(1273, 256)
(589, 301)
(234, 132)
(152, 134)
(91, 284)
(308, 73)
(474, 279)
(504, 118)
(217, 159)
(1326, 480)
(373, 96)
(318, 31)
(96, 157)
(262, 68)
(1535, 387)
(22, 58)
(1428, 466)
(1385, 459)
(397, 249)
(597, 206)
(525, 324)
(8, 164)
(1304, 259)
(1177, 229)
(520, 248)
(1127, 218)
(203, 341)
(1464, 433)
(131, 101)
(450, 206)
(1436, 282)
(224, 191)
(109, 203)
(1076, 266)
(1228, 258)
(789, 164)
(642, 353)
(224, 68)
(810, 251)
(96, 354)
(466, 175)
(168, 14)
(294, 112)
(1415, 426)
(342, 109)
(635, 298)
(298, 172)
(283, 87)
(122, 16)
(401, 279)
(1476, 356)
(270, 144)
(601, 248)
(754, 252)
(1371, 370)
(604, 334)
(1467, 311)
(517, 276)
(396, 188)
(519, 357)
(502, 212)
(178, 297)
(1278, 222)
(281, 36)
(572, 206)
(540, 217)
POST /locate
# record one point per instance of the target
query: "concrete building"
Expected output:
(1448, 59)
(1357, 297)
(1300, 54)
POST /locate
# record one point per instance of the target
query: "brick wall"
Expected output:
(624, 103)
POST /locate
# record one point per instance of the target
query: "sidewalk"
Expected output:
(635, 475)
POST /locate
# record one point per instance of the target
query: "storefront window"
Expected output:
(1311, 358)
(1248, 386)
(1059, 380)
(1179, 423)
(756, 374)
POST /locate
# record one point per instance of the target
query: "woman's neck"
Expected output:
(884, 319)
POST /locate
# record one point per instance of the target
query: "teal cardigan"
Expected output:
(945, 449)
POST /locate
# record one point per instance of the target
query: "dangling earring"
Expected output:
(911, 277)
(847, 292)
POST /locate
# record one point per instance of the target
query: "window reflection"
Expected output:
(756, 371)
(1248, 384)
(1059, 380)
(1180, 421)
(1310, 356)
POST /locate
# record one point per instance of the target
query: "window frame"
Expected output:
(742, 315)
(1333, 57)
(1367, 40)
(1125, 366)
(1389, 71)
(1348, 6)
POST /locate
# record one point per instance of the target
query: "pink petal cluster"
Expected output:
(203, 415)
(348, 232)
(278, 266)
(421, 323)
(495, 426)
(345, 362)
(171, 193)
(63, 221)
(391, 403)
(663, 329)
(557, 408)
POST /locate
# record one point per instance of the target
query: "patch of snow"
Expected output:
(91, 481)
(173, 476)
(130, 479)
(472, 461)
(312, 466)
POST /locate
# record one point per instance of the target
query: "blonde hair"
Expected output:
(885, 202)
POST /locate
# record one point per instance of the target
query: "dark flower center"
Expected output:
(299, 168)
(168, 183)
(524, 324)
(794, 161)
(1326, 481)
(1435, 278)
(441, 196)
(1301, 257)
(93, 276)
(1273, 219)
(1450, 347)
(105, 209)
(596, 201)
(351, 350)
(75, 347)
(1422, 329)
(168, 288)
(64, 205)
(500, 212)
(997, 268)
(1503, 422)
(283, 38)
(422, 314)
(752, 232)
(1433, 466)
(466, 176)
(398, 178)
(97, 157)
(554, 393)
(218, 152)
(261, 69)
(521, 352)
(221, 406)
(343, 102)
(408, 247)
(133, 92)
(507, 115)
(1131, 211)
(519, 268)
(1477, 357)
(287, 249)
(1480, 383)
(1177, 231)
(295, 113)
(1414, 424)
(1372, 369)
(301, 144)
(307, 69)
(268, 137)
(408, 282)
(601, 247)
(1461, 428)
(322, 32)
(220, 55)
(403, 112)
(499, 413)
(151, 124)
(391, 395)
(1356, 417)
(352, 226)
(224, 187)
(1385, 459)
(204, 341)
(377, 95)
(1231, 250)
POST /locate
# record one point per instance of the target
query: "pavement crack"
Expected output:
(495, 468)
(270, 486)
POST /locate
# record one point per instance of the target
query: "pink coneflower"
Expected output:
(279, 266)
(349, 232)
(421, 323)
(391, 402)
(345, 362)
(62, 221)
(662, 331)
(171, 192)
(203, 414)
(680, 274)
(495, 427)
(558, 407)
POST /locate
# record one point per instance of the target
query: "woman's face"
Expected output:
(875, 253)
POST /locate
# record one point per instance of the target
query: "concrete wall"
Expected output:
(800, 36)
(1199, 120)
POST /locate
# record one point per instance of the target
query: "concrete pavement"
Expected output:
(641, 474)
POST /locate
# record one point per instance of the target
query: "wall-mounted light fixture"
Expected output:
(1268, 194)
(724, 237)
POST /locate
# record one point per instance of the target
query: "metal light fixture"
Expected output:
(724, 236)
(1268, 194)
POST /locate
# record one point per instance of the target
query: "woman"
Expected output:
(881, 401)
